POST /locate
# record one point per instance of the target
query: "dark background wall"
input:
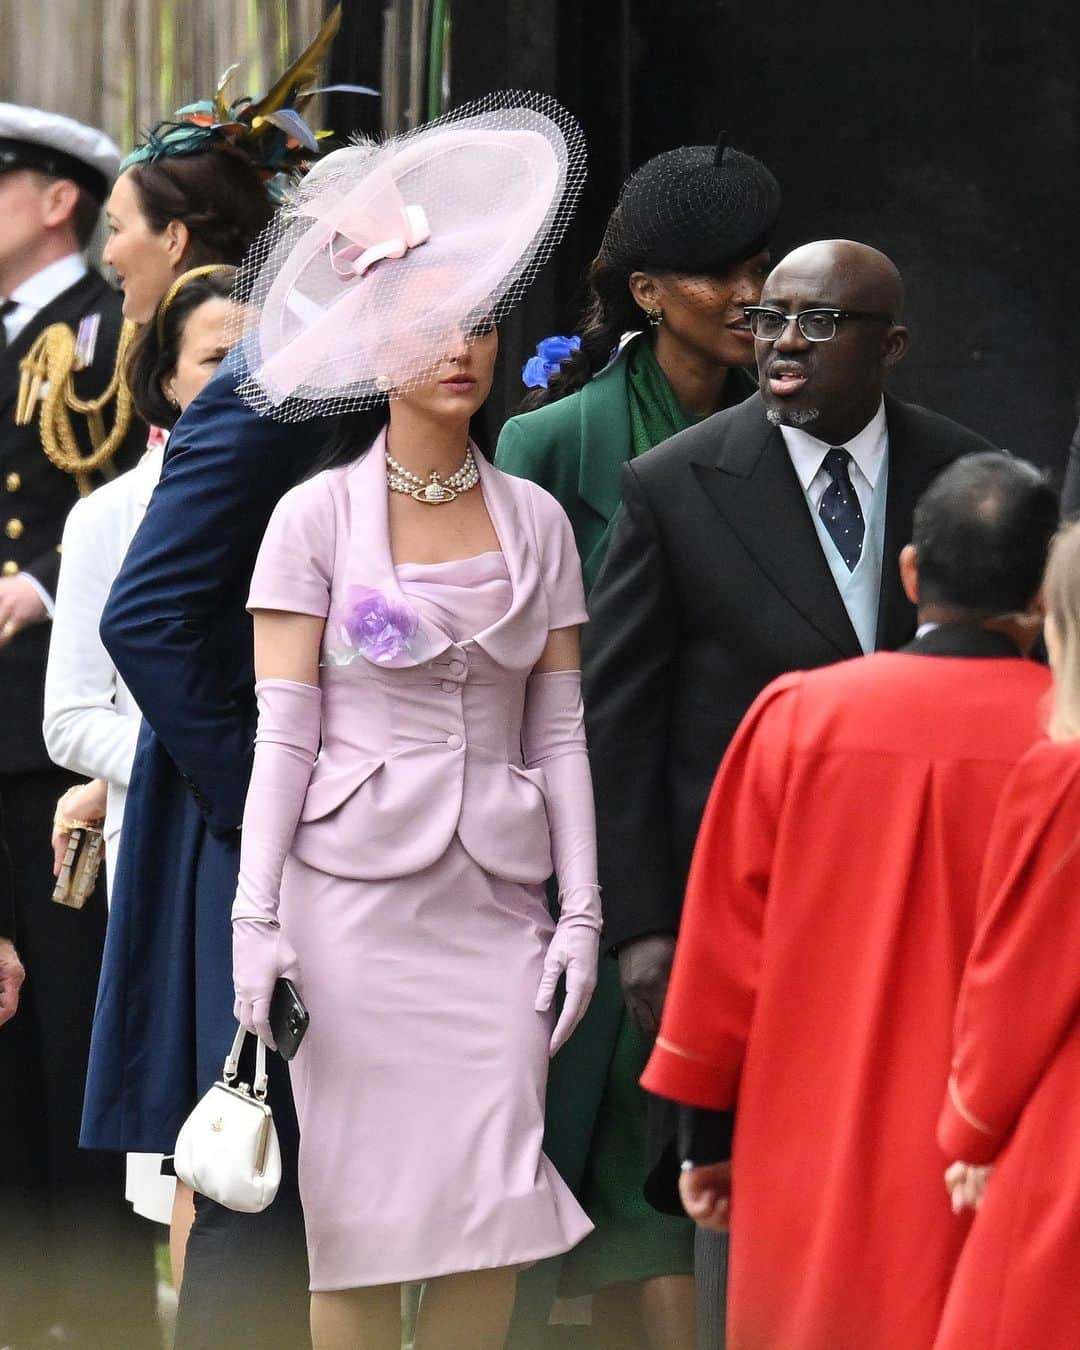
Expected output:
(946, 133)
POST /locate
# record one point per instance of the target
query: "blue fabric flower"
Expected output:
(551, 352)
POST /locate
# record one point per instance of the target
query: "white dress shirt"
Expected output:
(42, 289)
(868, 451)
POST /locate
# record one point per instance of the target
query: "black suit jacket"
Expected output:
(35, 498)
(714, 584)
(7, 888)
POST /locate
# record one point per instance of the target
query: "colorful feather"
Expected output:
(302, 71)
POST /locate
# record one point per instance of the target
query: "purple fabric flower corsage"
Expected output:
(550, 354)
(377, 627)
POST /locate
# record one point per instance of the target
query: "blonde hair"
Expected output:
(1062, 591)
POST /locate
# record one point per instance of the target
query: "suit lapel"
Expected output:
(753, 485)
(72, 303)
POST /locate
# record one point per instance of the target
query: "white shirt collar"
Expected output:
(43, 287)
(867, 449)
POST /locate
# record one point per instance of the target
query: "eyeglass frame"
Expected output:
(836, 314)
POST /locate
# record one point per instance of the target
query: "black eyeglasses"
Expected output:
(816, 325)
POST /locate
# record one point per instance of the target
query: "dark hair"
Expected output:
(982, 533)
(698, 210)
(610, 310)
(152, 359)
(348, 435)
(215, 192)
(85, 217)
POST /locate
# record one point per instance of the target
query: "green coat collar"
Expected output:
(605, 430)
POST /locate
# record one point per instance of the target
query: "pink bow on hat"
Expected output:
(413, 230)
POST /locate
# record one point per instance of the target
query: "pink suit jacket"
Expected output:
(421, 736)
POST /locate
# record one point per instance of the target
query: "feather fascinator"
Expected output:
(271, 130)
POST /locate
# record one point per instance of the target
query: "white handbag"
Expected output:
(227, 1149)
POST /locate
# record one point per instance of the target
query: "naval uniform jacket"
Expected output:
(35, 498)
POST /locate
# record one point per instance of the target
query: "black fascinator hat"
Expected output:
(697, 210)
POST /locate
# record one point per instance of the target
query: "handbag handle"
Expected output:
(232, 1063)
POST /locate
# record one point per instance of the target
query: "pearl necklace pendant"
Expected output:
(435, 493)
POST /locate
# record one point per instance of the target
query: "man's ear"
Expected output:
(59, 201)
(895, 346)
(909, 573)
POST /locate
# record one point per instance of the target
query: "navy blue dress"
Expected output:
(176, 627)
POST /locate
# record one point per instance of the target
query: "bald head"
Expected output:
(832, 385)
(843, 273)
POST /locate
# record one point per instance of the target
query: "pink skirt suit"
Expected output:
(414, 890)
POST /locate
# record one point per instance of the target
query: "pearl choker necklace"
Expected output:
(435, 491)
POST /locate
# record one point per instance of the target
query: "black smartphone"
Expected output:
(288, 1018)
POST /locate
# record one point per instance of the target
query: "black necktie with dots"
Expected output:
(840, 510)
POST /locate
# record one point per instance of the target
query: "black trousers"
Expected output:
(71, 1250)
(246, 1275)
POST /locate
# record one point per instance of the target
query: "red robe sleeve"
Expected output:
(699, 1051)
(1020, 991)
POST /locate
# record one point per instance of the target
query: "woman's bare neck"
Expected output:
(424, 444)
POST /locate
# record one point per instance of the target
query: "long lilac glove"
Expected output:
(287, 741)
(553, 739)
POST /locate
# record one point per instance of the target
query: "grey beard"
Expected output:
(795, 417)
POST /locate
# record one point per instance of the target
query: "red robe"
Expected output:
(830, 907)
(1014, 1097)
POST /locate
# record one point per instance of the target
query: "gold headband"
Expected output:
(177, 286)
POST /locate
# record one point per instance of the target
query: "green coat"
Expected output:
(574, 448)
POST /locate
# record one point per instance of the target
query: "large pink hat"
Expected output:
(385, 253)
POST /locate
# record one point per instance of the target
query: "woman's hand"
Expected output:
(966, 1184)
(261, 955)
(575, 951)
(706, 1195)
(85, 801)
